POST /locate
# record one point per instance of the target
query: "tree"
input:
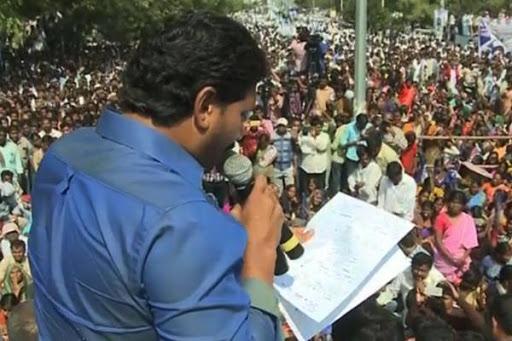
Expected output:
(378, 17)
(11, 23)
(117, 20)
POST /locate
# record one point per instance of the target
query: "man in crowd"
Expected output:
(348, 143)
(397, 192)
(314, 145)
(284, 163)
(364, 182)
(420, 276)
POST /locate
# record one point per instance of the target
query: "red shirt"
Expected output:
(406, 96)
(408, 159)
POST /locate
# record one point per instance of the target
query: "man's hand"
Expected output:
(263, 217)
(303, 234)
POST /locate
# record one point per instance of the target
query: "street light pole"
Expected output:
(360, 67)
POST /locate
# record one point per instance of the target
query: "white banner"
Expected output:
(501, 29)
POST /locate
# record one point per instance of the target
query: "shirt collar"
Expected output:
(114, 126)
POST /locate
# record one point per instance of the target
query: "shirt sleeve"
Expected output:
(440, 223)
(351, 180)
(471, 237)
(373, 180)
(344, 138)
(19, 164)
(3, 269)
(322, 142)
(307, 145)
(191, 277)
(410, 203)
(382, 193)
(336, 141)
(391, 291)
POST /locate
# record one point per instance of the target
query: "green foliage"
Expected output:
(325, 4)
(419, 11)
(117, 20)
(477, 6)
(378, 17)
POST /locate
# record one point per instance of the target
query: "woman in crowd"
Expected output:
(16, 282)
(265, 156)
(455, 235)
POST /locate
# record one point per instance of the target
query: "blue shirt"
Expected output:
(477, 200)
(350, 135)
(126, 246)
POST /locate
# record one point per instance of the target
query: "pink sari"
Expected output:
(459, 235)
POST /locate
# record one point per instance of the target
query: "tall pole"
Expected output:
(360, 67)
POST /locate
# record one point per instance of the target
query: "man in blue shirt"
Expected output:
(349, 141)
(125, 244)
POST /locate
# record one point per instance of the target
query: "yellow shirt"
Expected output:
(385, 156)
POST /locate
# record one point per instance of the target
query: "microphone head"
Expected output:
(238, 169)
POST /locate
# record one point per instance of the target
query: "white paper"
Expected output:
(351, 241)
(305, 328)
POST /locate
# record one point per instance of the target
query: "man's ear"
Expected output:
(205, 105)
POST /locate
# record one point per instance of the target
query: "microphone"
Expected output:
(238, 169)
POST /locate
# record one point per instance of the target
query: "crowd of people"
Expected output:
(306, 137)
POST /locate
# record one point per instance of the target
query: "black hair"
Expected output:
(18, 243)
(501, 310)
(47, 139)
(468, 335)
(374, 141)
(368, 322)
(394, 169)
(502, 248)
(506, 273)
(385, 330)
(361, 119)
(9, 301)
(193, 51)
(429, 329)
(427, 204)
(477, 212)
(315, 121)
(471, 279)
(410, 136)
(362, 150)
(456, 195)
(421, 258)
(6, 173)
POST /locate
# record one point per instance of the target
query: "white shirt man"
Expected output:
(422, 275)
(364, 182)
(397, 192)
(314, 148)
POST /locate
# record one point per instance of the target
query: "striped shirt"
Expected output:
(284, 146)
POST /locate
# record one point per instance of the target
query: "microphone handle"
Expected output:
(289, 243)
(281, 263)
